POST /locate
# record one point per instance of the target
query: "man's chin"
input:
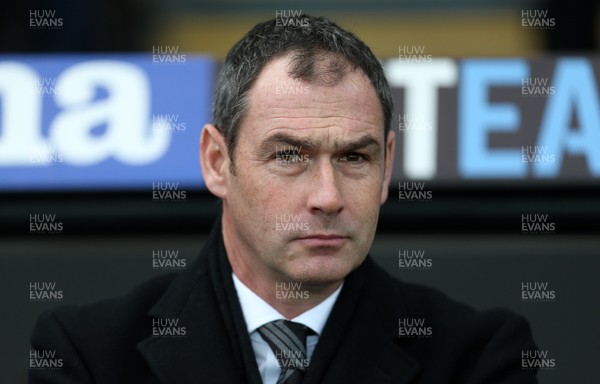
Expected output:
(321, 270)
(319, 281)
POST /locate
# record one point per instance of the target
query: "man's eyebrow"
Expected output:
(310, 144)
(363, 142)
(283, 138)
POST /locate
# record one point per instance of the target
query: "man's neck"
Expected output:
(289, 298)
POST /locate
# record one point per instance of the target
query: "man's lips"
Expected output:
(323, 240)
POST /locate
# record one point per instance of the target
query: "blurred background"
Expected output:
(497, 170)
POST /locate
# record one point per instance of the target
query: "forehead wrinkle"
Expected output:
(316, 144)
(316, 107)
(325, 105)
(332, 121)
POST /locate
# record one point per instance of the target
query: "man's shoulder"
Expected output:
(135, 304)
(415, 301)
(123, 314)
(443, 339)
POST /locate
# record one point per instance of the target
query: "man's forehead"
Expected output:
(275, 94)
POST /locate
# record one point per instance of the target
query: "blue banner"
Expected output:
(103, 122)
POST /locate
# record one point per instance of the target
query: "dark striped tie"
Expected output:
(288, 342)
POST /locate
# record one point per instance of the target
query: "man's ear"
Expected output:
(214, 160)
(389, 163)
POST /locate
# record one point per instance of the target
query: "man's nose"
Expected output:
(324, 191)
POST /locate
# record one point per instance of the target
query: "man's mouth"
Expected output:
(323, 240)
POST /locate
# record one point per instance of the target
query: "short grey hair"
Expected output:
(322, 53)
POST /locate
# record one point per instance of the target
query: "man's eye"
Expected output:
(353, 158)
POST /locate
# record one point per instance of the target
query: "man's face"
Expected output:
(310, 176)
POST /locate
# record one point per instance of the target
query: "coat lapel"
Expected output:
(207, 353)
(203, 355)
(359, 342)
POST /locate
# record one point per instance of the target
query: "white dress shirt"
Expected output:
(258, 312)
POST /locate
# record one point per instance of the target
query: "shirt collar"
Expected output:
(258, 312)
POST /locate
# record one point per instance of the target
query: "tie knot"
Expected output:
(300, 330)
(288, 342)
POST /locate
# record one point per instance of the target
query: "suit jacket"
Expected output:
(114, 341)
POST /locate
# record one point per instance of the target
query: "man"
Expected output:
(284, 291)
